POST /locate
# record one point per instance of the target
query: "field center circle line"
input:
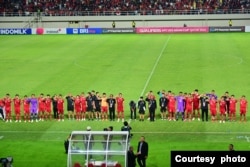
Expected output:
(155, 65)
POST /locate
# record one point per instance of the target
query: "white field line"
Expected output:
(67, 132)
(155, 65)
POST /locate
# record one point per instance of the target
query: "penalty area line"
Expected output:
(155, 65)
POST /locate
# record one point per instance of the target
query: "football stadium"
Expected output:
(128, 83)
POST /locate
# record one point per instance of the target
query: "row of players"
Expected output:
(184, 105)
(41, 107)
(187, 105)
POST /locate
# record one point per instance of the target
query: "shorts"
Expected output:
(98, 109)
(17, 110)
(120, 109)
(26, 111)
(90, 108)
(70, 108)
(83, 109)
(60, 111)
(189, 110)
(141, 111)
(243, 111)
(48, 110)
(104, 108)
(223, 112)
(213, 112)
(163, 109)
(33, 110)
(180, 109)
(7, 110)
(232, 111)
(171, 109)
(196, 106)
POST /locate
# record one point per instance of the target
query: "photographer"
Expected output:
(6, 162)
(128, 128)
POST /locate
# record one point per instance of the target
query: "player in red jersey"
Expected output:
(120, 107)
(26, 108)
(17, 108)
(60, 108)
(171, 106)
(7, 106)
(232, 108)
(48, 106)
(189, 105)
(243, 108)
(83, 106)
(196, 104)
(213, 108)
(41, 107)
(78, 107)
(222, 104)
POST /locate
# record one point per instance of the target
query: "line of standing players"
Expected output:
(190, 106)
(80, 107)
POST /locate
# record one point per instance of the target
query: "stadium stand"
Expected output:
(121, 7)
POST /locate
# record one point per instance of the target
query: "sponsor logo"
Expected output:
(52, 31)
(75, 31)
(83, 31)
(14, 31)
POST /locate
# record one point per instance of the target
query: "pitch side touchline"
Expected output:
(155, 65)
(62, 132)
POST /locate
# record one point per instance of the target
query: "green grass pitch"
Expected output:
(132, 65)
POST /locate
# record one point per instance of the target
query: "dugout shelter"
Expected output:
(98, 149)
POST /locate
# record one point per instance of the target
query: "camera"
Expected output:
(6, 162)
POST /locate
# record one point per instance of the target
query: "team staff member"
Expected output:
(204, 107)
(141, 108)
(111, 104)
(131, 157)
(90, 108)
(70, 106)
(152, 105)
(54, 104)
(163, 102)
(97, 105)
(142, 152)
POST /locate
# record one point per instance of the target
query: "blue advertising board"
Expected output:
(83, 30)
(15, 31)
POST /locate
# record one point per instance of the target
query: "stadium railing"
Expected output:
(126, 13)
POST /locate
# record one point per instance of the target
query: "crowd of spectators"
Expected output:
(121, 7)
